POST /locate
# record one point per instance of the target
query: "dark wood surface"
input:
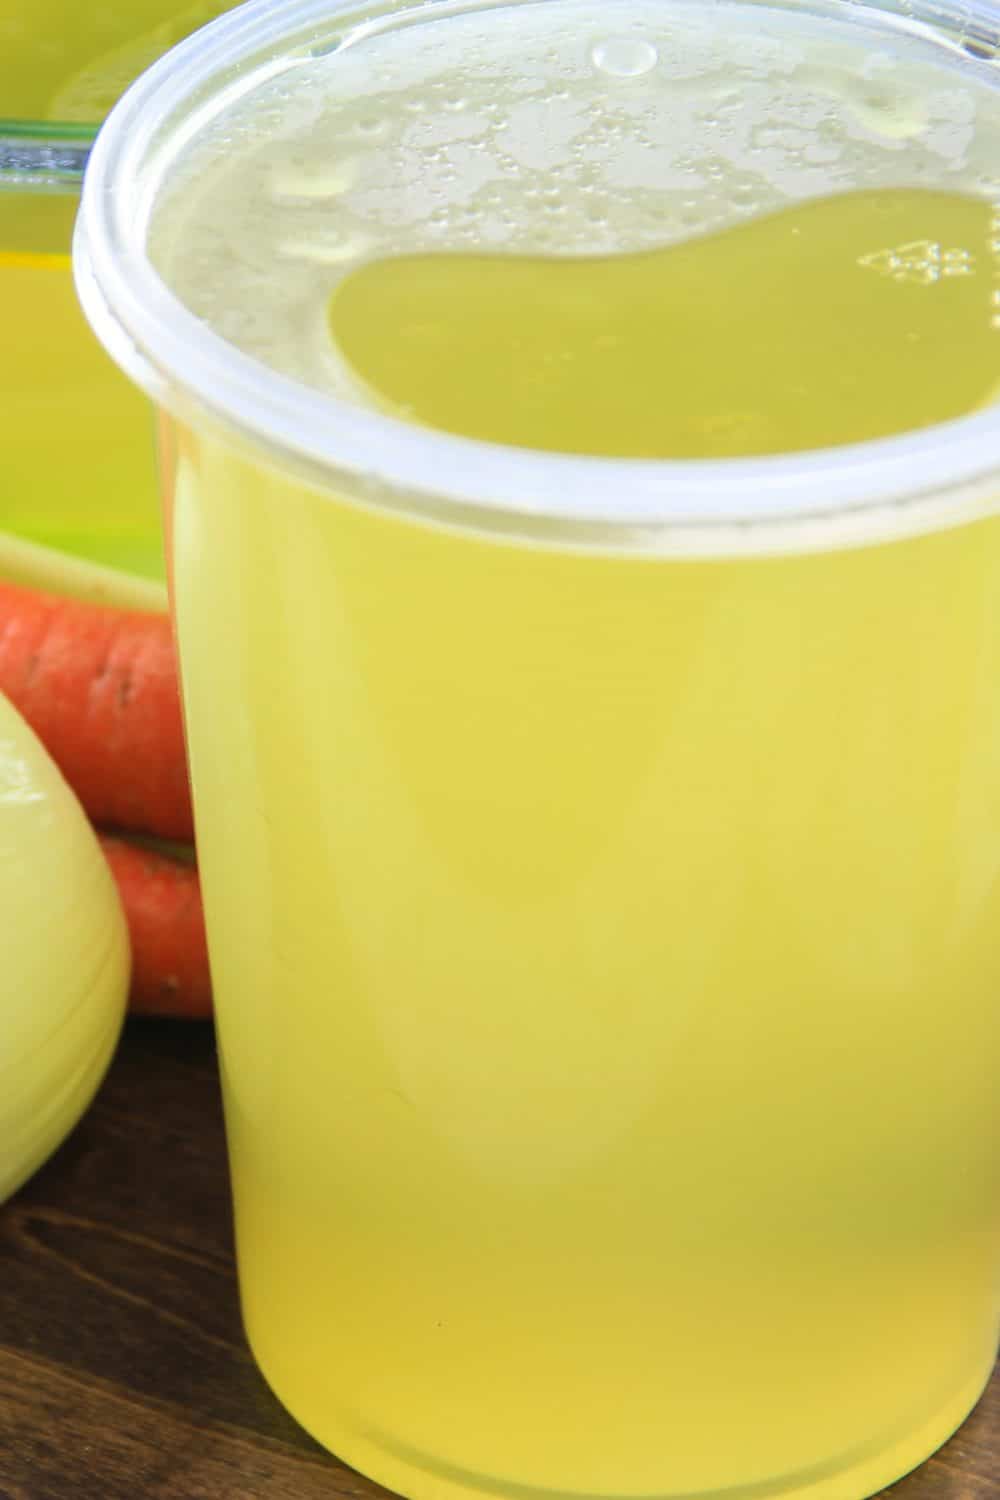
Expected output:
(123, 1371)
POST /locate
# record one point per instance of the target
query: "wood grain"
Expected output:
(123, 1370)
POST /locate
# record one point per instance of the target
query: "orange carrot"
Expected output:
(162, 901)
(99, 688)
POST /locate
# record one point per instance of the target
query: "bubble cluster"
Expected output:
(625, 57)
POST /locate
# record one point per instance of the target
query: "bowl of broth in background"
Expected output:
(77, 441)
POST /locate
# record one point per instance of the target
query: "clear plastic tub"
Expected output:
(599, 866)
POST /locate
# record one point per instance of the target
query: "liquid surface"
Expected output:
(840, 320)
(680, 156)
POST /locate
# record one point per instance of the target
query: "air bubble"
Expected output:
(624, 57)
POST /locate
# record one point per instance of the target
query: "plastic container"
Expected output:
(599, 867)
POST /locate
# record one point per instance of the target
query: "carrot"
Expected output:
(99, 687)
(162, 901)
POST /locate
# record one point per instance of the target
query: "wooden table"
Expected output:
(123, 1371)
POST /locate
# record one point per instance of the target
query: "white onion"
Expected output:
(64, 956)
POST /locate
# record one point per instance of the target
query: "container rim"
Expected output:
(913, 482)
